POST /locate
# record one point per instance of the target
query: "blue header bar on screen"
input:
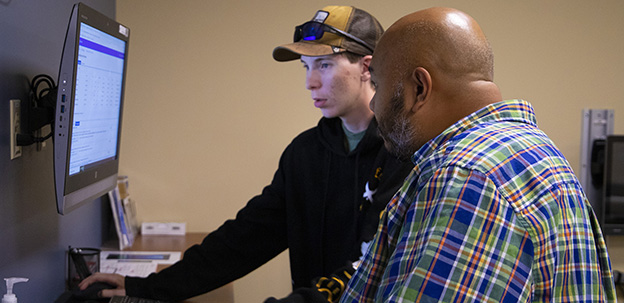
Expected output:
(101, 48)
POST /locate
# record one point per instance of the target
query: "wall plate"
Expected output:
(15, 117)
(158, 228)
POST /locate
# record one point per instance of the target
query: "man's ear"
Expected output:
(421, 81)
(366, 60)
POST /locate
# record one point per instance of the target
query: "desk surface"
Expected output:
(224, 294)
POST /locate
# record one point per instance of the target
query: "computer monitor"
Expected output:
(87, 125)
(613, 186)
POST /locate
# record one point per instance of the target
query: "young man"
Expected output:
(492, 211)
(331, 184)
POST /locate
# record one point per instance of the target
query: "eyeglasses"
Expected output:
(312, 30)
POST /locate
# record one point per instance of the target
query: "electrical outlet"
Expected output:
(16, 113)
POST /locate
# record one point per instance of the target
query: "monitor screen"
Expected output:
(97, 100)
(89, 108)
(613, 186)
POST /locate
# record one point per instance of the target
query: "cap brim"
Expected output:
(294, 51)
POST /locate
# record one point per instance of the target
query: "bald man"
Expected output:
(492, 211)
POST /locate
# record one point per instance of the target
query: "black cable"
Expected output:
(36, 82)
(41, 111)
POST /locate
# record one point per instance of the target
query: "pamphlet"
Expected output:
(136, 263)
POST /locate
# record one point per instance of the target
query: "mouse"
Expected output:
(92, 292)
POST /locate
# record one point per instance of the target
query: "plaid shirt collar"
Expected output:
(509, 110)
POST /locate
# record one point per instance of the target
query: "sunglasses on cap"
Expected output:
(313, 30)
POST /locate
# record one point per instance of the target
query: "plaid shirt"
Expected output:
(492, 212)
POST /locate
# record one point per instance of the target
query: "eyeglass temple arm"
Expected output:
(352, 37)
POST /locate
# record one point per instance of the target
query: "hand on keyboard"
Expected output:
(92, 292)
(117, 299)
(116, 283)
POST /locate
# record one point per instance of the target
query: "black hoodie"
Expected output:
(314, 206)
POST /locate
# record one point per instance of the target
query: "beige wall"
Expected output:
(208, 112)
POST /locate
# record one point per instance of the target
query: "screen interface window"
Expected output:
(97, 101)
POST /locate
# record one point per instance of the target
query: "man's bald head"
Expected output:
(444, 39)
(431, 69)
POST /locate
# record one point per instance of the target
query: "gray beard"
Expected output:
(403, 138)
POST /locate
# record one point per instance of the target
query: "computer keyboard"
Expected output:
(119, 299)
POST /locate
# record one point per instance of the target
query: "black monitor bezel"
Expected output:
(608, 227)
